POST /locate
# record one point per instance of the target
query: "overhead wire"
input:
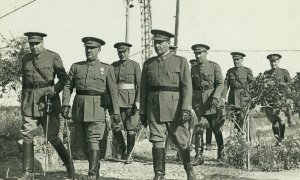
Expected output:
(17, 9)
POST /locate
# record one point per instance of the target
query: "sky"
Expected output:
(254, 27)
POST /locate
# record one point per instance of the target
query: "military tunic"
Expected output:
(284, 76)
(91, 76)
(166, 89)
(207, 83)
(128, 77)
(281, 74)
(238, 80)
(34, 88)
(33, 100)
(127, 72)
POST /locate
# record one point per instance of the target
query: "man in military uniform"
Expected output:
(166, 95)
(238, 80)
(278, 118)
(207, 102)
(91, 78)
(128, 76)
(39, 69)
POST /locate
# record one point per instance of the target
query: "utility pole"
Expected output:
(128, 6)
(176, 23)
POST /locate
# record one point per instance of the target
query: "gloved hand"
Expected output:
(185, 116)
(137, 105)
(49, 92)
(214, 102)
(135, 108)
(143, 119)
(116, 119)
(65, 111)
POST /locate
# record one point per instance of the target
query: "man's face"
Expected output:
(92, 52)
(36, 47)
(238, 62)
(161, 47)
(123, 55)
(274, 64)
(201, 56)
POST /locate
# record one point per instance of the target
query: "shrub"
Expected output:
(265, 154)
(10, 122)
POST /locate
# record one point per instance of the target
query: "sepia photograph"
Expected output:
(150, 89)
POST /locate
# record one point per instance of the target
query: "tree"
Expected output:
(10, 63)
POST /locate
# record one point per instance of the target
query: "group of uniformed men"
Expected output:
(163, 96)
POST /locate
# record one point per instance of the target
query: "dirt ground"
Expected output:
(142, 168)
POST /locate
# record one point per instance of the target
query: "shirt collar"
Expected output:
(93, 62)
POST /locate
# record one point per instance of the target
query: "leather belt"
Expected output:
(38, 85)
(163, 88)
(236, 87)
(125, 86)
(88, 92)
(203, 88)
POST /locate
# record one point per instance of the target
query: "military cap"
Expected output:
(92, 42)
(35, 36)
(173, 47)
(200, 48)
(237, 55)
(161, 35)
(122, 46)
(273, 57)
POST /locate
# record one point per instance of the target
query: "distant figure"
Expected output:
(173, 49)
(128, 76)
(237, 81)
(39, 69)
(278, 118)
(166, 95)
(91, 79)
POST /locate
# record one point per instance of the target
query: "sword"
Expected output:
(48, 102)
(138, 137)
(68, 137)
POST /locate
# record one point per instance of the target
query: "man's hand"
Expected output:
(135, 108)
(65, 111)
(49, 92)
(116, 119)
(107, 120)
(143, 119)
(214, 102)
(185, 116)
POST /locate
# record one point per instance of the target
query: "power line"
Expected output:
(17, 9)
(247, 50)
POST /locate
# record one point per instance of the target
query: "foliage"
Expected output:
(11, 122)
(265, 154)
(10, 62)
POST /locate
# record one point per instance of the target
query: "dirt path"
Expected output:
(142, 169)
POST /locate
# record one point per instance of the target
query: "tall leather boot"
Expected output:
(159, 159)
(199, 150)
(130, 145)
(208, 138)
(94, 164)
(28, 162)
(65, 157)
(275, 129)
(281, 132)
(103, 145)
(220, 144)
(186, 161)
(121, 143)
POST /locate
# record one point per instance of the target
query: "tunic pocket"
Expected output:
(98, 110)
(100, 81)
(130, 77)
